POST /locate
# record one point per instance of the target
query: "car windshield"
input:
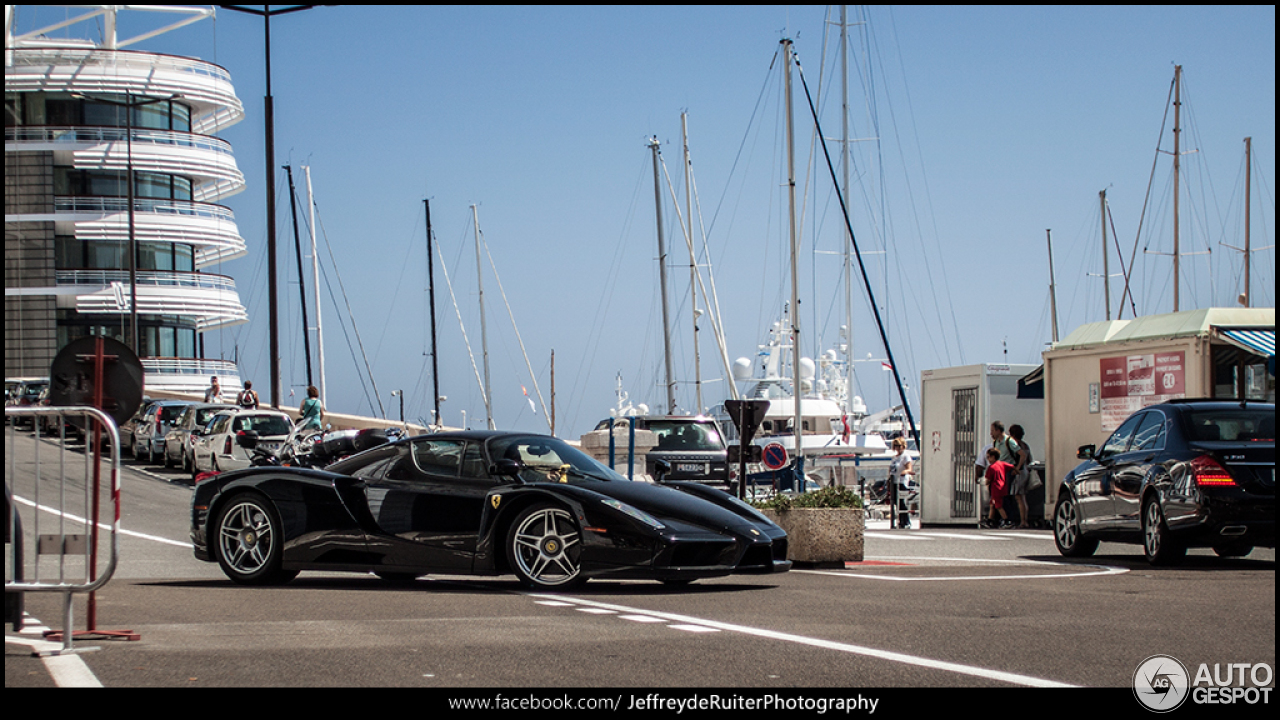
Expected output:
(676, 435)
(262, 424)
(1257, 424)
(545, 459)
(170, 413)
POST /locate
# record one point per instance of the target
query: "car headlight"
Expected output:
(631, 512)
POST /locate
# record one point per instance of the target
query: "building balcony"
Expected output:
(207, 160)
(188, 375)
(211, 299)
(204, 86)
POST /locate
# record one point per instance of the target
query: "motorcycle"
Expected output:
(315, 448)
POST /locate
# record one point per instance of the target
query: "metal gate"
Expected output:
(964, 451)
(62, 507)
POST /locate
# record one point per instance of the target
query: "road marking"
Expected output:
(102, 525)
(1096, 570)
(969, 670)
(66, 670)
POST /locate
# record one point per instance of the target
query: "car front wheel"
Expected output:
(1159, 545)
(1067, 536)
(544, 548)
(249, 541)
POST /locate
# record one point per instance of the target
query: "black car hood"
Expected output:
(666, 502)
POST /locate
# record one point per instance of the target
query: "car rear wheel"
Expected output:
(1067, 536)
(248, 536)
(544, 548)
(1159, 545)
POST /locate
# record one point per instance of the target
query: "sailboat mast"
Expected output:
(1177, 166)
(1248, 256)
(431, 308)
(302, 287)
(693, 265)
(1106, 262)
(315, 283)
(484, 335)
(796, 392)
(848, 244)
(662, 278)
(1053, 291)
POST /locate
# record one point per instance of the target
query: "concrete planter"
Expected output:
(822, 536)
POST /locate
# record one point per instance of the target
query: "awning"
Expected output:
(1258, 342)
(1031, 385)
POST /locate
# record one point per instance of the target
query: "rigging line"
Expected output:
(1124, 271)
(861, 265)
(1151, 179)
(355, 328)
(345, 336)
(716, 318)
(768, 76)
(715, 323)
(461, 325)
(502, 291)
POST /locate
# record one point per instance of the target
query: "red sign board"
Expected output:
(1132, 382)
(774, 456)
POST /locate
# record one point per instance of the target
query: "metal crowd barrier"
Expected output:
(55, 496)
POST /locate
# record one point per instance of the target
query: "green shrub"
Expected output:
(828, 497)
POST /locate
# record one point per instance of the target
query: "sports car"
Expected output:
(476, 502)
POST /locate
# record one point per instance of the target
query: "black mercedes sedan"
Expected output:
(479, 503)
(1186, 473)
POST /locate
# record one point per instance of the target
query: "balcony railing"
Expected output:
(55, 134)
(112, 205)
(163, 278)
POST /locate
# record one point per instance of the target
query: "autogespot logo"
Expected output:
(1161, 683)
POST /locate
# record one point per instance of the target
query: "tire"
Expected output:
(247, 536)
(544, 548)
(168, 462)
(1067, 535)
(1159, 545)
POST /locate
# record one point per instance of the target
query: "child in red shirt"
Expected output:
(999, 477)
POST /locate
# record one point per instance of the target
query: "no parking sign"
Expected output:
(774, 456)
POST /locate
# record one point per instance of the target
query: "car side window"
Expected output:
(1119, 440)
(1150, 434)
(429, 457)
(473, 465)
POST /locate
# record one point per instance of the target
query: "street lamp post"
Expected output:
(266, 13)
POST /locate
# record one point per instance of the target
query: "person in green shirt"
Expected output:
(312, 410)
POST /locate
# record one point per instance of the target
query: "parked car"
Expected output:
(24, 392)
(215, 448)
(476, 503)
(151, 426)
(1186, 473)
(692, 444)
(179, 441)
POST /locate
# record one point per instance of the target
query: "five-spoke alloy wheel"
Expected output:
(1159, 545)
(248, 539)
(544, 548)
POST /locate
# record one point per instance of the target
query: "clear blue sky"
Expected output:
(994, 124)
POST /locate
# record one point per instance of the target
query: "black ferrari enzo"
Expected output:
(483, 503)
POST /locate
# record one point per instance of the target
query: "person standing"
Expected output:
(213, 393)
(1021, 474)
(248, 399)
(899, 469)
(311, 410)
(997, 477)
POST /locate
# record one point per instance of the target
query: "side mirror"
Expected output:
(661, 468)
(247, 439)
(1086, 452)
(505, 468)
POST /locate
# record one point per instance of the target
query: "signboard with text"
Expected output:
(1132, 382)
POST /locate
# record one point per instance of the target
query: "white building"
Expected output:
(78, 116)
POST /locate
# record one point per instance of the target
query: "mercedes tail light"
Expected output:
(1210, 473)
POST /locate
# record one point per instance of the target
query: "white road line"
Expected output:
(1096, 570)
(970, 670)
(65, 670)
(102, 525)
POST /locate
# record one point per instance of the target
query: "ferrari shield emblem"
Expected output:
(494, 500)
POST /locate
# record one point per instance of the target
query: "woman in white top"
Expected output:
(899, 468)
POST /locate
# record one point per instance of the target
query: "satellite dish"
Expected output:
(74, 370)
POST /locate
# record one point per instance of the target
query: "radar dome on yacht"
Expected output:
(858, 406)
(807, 368)
(742, 369)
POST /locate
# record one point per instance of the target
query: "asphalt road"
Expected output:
(936, 608)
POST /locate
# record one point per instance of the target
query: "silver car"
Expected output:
(150, 428)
